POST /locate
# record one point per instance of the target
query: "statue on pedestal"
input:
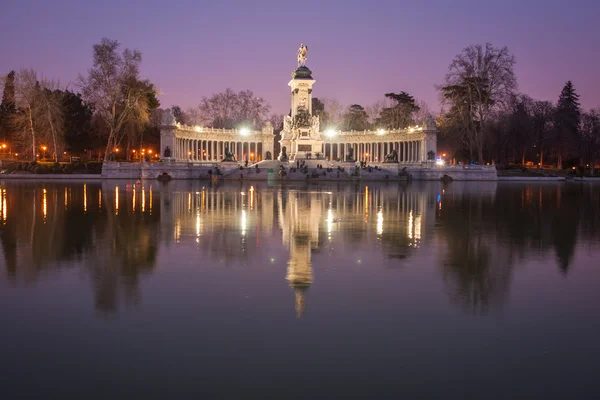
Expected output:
(391, 157)
(350, 155)
(229, 157)
(268, 155)
(283, 157)
(168, 119)
(167, 152)
(302, 55)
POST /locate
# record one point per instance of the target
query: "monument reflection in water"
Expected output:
(115, 232)
(445, 289)
(223, 221)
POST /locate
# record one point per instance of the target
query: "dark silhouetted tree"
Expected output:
(566, 122)
(355, 118)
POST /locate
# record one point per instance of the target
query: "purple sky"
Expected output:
(358, 50)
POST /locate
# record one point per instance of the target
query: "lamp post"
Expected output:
(44, 148)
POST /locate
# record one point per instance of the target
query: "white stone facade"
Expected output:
(411, 145)
(302, 137)
(189, 143)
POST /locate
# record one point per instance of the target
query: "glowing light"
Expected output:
(418, 227)
(251, 197)
(85, 198)
(411, 130)
(66, 198)
(4, 210)
(439, 161)
(329, 220)
(133, 201)
(116, 200)
(380, 131)
(409, 228)
(443, 154)
(330, 133)
(150, 196)
(143, 200)
(244, 132)
(177, 230)
(198, 225)
(197, 128)
(379, 222)
(45, 205)
(190, 202)
(366, 201)
(99, 199)
(243, 223)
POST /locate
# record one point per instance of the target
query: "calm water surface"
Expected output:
(464, 290)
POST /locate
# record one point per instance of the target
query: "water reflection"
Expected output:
(115, 232)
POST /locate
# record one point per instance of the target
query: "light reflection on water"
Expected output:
(347, 267)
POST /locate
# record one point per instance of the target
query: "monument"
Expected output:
(300, 134)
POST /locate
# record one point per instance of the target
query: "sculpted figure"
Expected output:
(350, 155)
(283, 157)
(167, 152)
(228, 155)
(392, 157)
(302, 55)
(167, 118)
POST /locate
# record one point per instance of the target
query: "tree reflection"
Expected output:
(46, 226)
(473, 279)
(487, 235)
(114, 232)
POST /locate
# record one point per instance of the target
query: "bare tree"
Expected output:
(231, 110)
(542, 118)
(480, 80)
(276, 121)
(26, 97)
(334, 114)
(422, 113)
(112, 86)
(374, 111)
(52, 113)
(590, 136)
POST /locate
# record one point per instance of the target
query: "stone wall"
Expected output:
(176, 170)
(185, 170)
(457, 173)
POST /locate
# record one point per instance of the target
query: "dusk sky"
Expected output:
(358, 50)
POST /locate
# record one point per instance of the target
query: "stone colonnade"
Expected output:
(206, 144)
(214, 150)
(409, 151)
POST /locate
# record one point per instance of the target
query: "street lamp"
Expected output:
(44, 148)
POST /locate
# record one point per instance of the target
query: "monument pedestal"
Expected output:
(306, 149)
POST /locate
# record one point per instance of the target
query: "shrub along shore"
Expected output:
(35, 167)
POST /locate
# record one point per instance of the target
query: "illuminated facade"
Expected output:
(197, 144)
(303, 137)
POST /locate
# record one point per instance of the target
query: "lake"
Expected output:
(242, 290)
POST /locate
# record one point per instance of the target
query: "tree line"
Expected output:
(484, 118)
(112, 109)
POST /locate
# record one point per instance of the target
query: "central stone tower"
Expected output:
(300, 138)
